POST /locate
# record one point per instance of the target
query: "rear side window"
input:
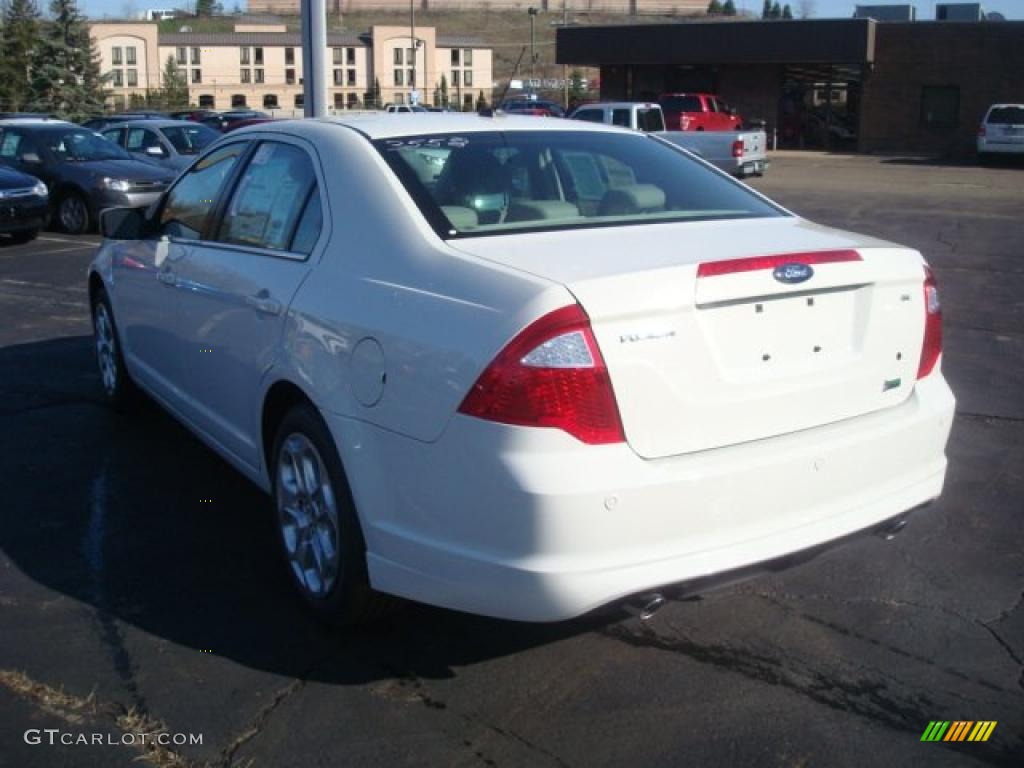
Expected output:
(193, 199)
(114, 135)
(312, 221)
(1006, 116)
(589, 115)
(9, 145)
(682, 104)
(621, 117)
(140, 139)
(266, 207)
(650, 120)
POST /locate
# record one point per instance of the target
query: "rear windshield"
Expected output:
(1006, 116)
(491, 183)
(681, 104)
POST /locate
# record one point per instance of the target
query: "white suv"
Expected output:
(1001, 131)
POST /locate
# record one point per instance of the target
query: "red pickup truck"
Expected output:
(698, 112)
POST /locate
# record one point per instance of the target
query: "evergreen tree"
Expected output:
(481, 102)
(787, 12)
(376, 93)
(729, 8)
(577, 87)
(65, 68)
(714, 8)
(174, 93)
(205, 7)
(776, 10)
(444, 90)
(18, 39)
(766, 11)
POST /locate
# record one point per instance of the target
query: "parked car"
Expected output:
(99, 124)
(172, 144)
(404, 108)
(250, 121)
(698, 112)
(1001, 131)
(221, 120)
(535, 107)
(24, 205)
(84, 172)
(195, 115)
(740, 153)
(569, 366)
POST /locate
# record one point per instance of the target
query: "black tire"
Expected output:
(73, 213)
(118, 388)
(349, 599)
(25, 235)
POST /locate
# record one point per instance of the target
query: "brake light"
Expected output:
(754, 263)
(981, 129)
(931, 347)
(550, 375)
(737, 148)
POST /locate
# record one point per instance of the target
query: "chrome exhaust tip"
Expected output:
(645, 607)
(891, 530)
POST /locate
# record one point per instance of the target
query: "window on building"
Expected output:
(411, 79)
(350, 77)
(338, 77)
(289, 77)
(455, 57)
(399, 57)
(467, 102)
(180, 56)
(300, 100)
(197, 76)
(244, 55)
(353, 101)
(258, 56)
(206, 101)
(195, 56)
(129, 56)
(339, 100)
(399, 98)
(238, 100)
(467, 78)
(336, 56)
(399, 77)
(289, 57)
(117, 78)
(258, 75)
(467, 57)
(455, 78)
(116, 57)
(940, 106)
(245, 76)
(350, 56)
(410, 56)
(133, 78)
(270, 101)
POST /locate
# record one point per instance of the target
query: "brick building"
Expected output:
(840, 83)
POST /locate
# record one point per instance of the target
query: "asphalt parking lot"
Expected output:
(139, 587)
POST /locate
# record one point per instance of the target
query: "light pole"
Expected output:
(533, 43)
(412, 43)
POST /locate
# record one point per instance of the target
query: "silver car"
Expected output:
(172, 144)
(1001, 131)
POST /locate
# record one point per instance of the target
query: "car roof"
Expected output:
(164, 123)
(35, 121)
(385, 126)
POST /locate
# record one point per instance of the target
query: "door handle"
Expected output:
(264, 304)
(167, 277)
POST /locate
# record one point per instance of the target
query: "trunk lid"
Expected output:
(702, 358)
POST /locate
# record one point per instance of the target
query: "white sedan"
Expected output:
(521, 367)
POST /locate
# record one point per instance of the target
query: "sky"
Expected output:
(1012, 9)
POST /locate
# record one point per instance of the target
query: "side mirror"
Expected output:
(155, 151)
(123, 224)
(30, 158)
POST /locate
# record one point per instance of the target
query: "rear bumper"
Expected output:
(1005, 147)
(531, 525)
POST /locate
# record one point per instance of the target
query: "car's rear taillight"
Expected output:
(737, 148)
(550, 375)
(931, 347)
(981, 129)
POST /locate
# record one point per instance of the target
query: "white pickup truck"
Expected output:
(740, 153)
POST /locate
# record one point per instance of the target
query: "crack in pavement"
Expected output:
(873, 700)
(227, 754)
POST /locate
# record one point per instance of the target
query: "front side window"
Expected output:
(589, 115)
(191, 202)
(621, 117)
(265, 209)
(491, 183)
(114, 135)
(140, 139)
(79, 145)
(191, 139)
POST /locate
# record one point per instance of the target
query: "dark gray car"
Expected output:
(84, 172)
(172, 144)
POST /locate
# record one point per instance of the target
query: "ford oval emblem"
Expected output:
(793, 273)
